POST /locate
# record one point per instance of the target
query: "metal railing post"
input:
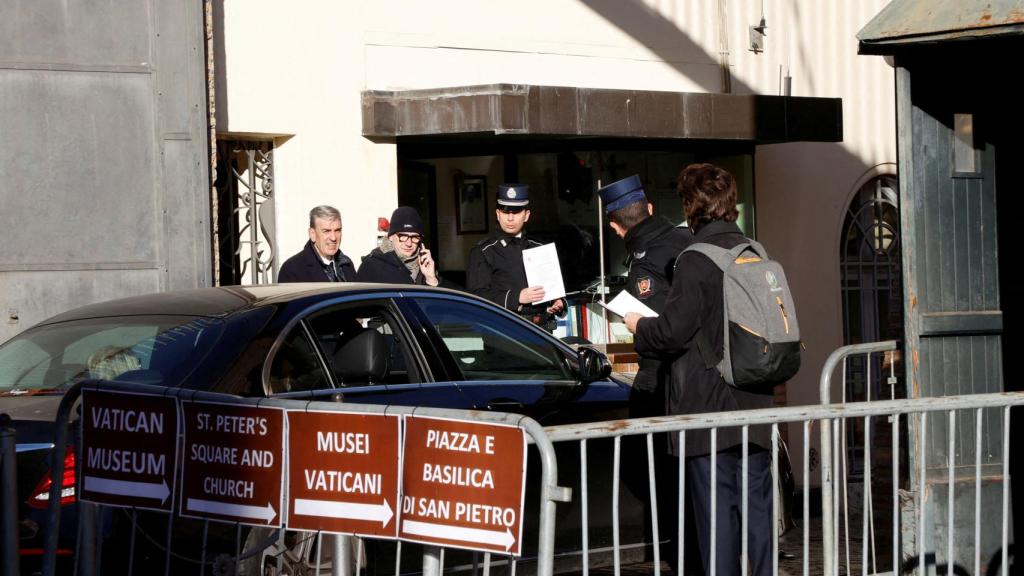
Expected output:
(341, 557)
(431, 561)
(51, 532)
(825, 392)
(87, 516)
(8, 502)
(551, 493)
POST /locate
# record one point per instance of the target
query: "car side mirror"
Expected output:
(593, 365)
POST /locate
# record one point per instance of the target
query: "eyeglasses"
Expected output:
(414, 238)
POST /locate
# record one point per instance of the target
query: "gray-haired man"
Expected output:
(321, 260)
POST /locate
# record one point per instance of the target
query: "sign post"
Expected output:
(462, 484)
(129, 449)
(343, 471)
(232, 463)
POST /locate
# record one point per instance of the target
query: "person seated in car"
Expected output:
(401, 258)
(109, 362)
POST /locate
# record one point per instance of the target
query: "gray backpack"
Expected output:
(762, 339)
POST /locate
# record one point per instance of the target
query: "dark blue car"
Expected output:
(362, 343)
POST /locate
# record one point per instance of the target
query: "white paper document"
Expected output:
(542, 269)
(625, 303)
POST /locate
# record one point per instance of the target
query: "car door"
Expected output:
(357, 351)
(505, 364)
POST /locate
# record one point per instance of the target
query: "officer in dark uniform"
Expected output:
(652, 245)
(496, 270)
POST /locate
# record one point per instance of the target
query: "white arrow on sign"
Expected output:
(128, 488)
(348, 510)
(265, 513)
(504, 539)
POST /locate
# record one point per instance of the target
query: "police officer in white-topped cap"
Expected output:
(496, 270)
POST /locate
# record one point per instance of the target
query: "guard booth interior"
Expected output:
(563, 177)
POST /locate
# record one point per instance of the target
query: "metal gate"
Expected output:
(245, 212)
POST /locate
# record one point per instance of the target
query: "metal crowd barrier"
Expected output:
(806, 417)
(89, 533)
(829, 465)
(925, 524)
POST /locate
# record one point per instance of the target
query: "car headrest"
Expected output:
(363, 358)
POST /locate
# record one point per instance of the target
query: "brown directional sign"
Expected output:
(232, 463)
(129, 449)
(343, 471)
(462, 484)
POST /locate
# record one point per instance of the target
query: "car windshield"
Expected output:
(142, 349)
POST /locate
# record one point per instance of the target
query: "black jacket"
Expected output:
(695, 305)
(386, 268)
(652, 247)
(306, 266)
(496, 272)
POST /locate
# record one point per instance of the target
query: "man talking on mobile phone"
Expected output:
(401, 258)
(496, 271)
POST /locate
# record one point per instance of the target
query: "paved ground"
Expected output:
(790, 563)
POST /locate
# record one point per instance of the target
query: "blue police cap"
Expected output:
(514, 195)
(622, 193)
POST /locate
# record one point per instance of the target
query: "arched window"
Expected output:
(871, 275)
(872, 287)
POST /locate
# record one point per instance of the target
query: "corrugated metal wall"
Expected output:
(104, 182)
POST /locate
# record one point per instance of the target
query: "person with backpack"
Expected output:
(719, 363)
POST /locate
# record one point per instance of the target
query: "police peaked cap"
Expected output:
(514, 195)
(622, 193)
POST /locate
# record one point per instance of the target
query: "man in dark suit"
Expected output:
(321, 259)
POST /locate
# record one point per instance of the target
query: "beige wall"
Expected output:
(297, 69)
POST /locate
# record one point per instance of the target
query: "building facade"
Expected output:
(367, 105)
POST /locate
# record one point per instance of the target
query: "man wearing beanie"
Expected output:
(401, 258)
(496, 271)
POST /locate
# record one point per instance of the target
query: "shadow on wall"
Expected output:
(801, 242)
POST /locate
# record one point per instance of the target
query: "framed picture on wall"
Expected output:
(470, 204)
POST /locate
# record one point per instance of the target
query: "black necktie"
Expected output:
(331, 271)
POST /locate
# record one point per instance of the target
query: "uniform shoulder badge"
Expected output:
(644, 287)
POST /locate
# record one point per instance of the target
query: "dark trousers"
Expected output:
(728, 507)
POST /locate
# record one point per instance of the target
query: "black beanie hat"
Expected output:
(405, 220)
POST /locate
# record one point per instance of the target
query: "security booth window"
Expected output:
(490, 346)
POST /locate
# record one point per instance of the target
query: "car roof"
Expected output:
(225, 300)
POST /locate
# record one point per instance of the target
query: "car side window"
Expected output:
(489, 346)
(357, 357)
(295, 367)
